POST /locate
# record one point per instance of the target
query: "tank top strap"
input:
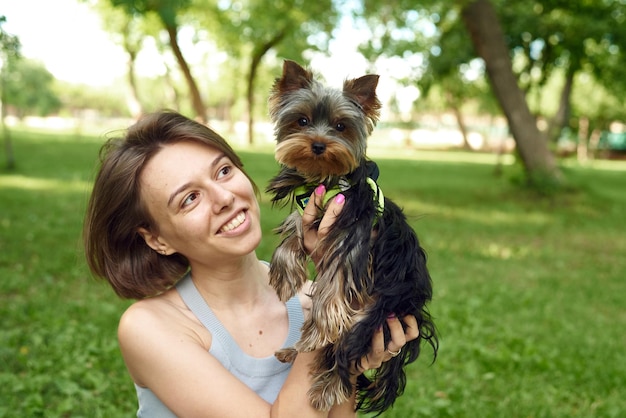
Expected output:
(196, 303)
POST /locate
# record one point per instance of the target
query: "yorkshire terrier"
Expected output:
(371, 263)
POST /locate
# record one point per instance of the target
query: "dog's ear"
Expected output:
(294, 77)
(363, 90)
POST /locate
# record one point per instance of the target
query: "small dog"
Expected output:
(371, 264)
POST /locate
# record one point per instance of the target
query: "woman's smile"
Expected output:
(234, 223)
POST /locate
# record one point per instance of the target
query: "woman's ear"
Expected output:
(153, 241)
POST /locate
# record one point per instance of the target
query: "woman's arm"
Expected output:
(174, 362)
(165, 351)
(293, 401)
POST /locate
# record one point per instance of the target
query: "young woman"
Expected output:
(173, 221)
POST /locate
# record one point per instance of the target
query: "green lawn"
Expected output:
(530, 292)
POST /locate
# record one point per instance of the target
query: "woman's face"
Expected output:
(204, 207)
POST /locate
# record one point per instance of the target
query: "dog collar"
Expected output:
(302, 194)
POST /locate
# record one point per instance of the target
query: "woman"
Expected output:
(173, 221)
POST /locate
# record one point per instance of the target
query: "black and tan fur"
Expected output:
(371, 263)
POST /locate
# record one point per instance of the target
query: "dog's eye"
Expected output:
(303, 121)
(340, 127)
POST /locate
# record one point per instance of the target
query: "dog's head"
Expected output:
(321, 131)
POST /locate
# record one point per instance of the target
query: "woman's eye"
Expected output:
(303, 121)
(224, 171)
(189, 199)
(340, 127)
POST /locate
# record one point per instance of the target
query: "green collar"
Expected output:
(302, 194)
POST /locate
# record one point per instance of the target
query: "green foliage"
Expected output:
(106, 101)
(167, 10)
(25, 85)
(528, 291)
(582, 35)
(247, 26)
(28, 88)
(544, 37)
(9, 44)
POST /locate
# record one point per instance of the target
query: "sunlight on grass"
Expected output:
(606, 165)
(419, 209)
(442, 156)
(35, 183)
(528, 292)
(505, 252)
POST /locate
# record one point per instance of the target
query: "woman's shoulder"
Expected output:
(153, 308)
(161, 317)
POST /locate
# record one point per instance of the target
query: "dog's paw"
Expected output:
(286, 355)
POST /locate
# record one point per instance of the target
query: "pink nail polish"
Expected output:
(340, 198)
(319, 190)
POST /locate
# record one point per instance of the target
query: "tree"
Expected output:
(253, 28)
(9, 53)
(168, 12)
(485, 31)
(399, 24)
(28, 89)
(566, 38)
(126, 31)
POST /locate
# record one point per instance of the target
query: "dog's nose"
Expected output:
(318, 148)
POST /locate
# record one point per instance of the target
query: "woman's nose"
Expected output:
(221, 197)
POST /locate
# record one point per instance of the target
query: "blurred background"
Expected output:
(556, 68)
(503, 137)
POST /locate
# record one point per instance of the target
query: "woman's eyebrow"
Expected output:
(182, 188)
(176, 192)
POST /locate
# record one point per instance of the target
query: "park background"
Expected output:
(523, 222)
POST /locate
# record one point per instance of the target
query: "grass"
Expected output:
(529, 291)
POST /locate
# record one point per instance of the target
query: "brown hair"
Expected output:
(114, 249)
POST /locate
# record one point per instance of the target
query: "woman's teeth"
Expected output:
(238, 220)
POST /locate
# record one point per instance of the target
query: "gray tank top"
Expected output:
(265, 376)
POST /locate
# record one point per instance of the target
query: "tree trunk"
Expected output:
(558, 122)
(196, 99)
(488, 39)
(172, 95)
(132, 98)
(583, 138)
(452, 103)
(254, 65)
(256, 59)
(8, 145)
(594, 139)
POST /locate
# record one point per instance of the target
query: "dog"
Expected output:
(371, 263)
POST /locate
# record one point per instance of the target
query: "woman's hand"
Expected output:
(314, 231)
(399, 337)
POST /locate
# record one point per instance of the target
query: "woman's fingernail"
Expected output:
(319, 190)
(340, 198)
(391, 316)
